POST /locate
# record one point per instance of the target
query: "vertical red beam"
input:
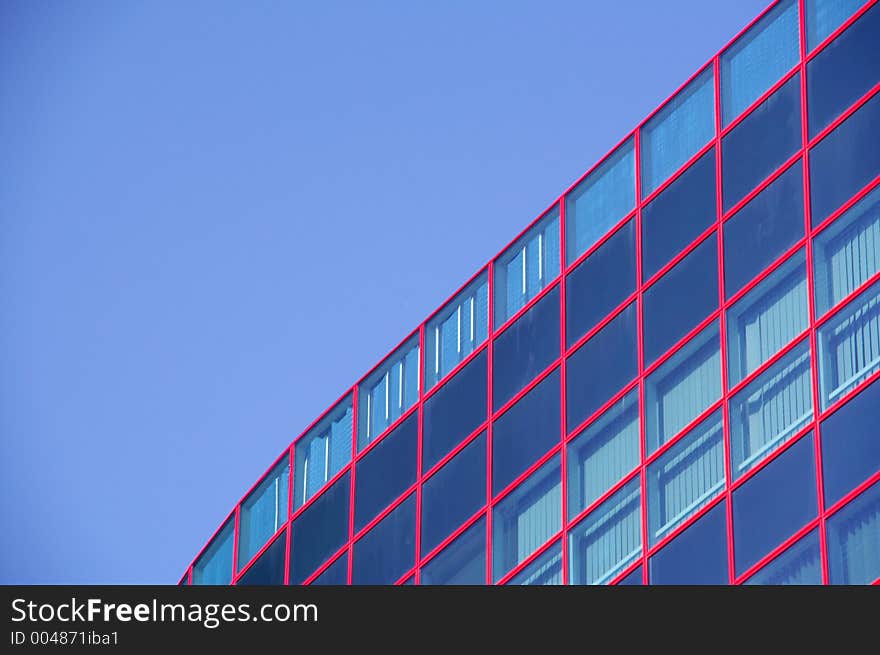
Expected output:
(420, 419)
(354, 451)
(235, 530)
(563, 405)
(290, 462)
(490, 350)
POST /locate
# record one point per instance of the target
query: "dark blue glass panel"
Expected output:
(335, 574)
(678, 301)
(454, 493)
(845, 160)
(386, 471)
(678, 215)
(455, 411)
(765, 228)
(851, 444)
(387, 551)
(774, 504)
(633, 579)
(844, 71)
(525, 432)
(600, 283)
(463, 562)
(319, 531)
(800, 564)
(526, 348)
(696, 556)
(602, 366)
(761, 143)
(269, 567)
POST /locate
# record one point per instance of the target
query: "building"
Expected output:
(671, 376)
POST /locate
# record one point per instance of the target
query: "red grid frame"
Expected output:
(568, 433)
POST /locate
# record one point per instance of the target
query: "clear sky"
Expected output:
(216, 216)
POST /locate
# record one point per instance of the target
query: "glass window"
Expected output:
(335, 574)
(600, 283)
(759, 233)
(603, 453)
(269, 568)
(454, 494)
(767, 318)
(825, 16)
(771, 409)
(319, 531)
(685, 478)
(847, 253)
(263, 512)
(678, 131)
(845, 161)
(526, 348)
(546, 569)
(854, 540)
(457, 409)
(799, 565)
(682, 387)
(601, 200)
(525, 519)
(463, 562)
(844, 71)
(677, 302)
(608, 540)
(214, 566)
(678, 215)
(634, 579)
(456, 330)
(527, 267)
(761, 143)
(525, 432)
(759, 58)
(698, 556)
(322, 452)
(386, 552)
(850, 444)
(388, 392)
(849, 346)
(602, 367)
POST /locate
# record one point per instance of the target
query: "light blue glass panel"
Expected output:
(322, 452)
(854, 540)
(263, 512)
(825, 16)
(799, 565)
(215, 564)
(546, 569)
(388, 392)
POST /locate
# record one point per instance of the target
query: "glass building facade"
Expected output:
(671, 377)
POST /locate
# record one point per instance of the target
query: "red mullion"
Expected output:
(419, 472)
(845, 207)
(563, 404)
(676, 347)
(745, 113)
(289, 529)
(519, 568)
(680, 170)
(593, 331)
(840, 402)
(601, 242)
(852, 109)
(593, 506)
(522, 477)
(330, 561)
(672, 263)
(354, 449)
(455, 534)
(525, 308)
(526, 389)
(771, 457)
(241, 569)
(842, 28)
(406, 576)
(443, 461)
(320, 492)
(291, 462)
(391, 428)
(685, 524)
(580, 427)
(776, 552)
(235, 541)
(855, 293)
(489, 400)
(455, 369)
(768, 364)
(852, 494)
(663, 448)
(767, 181)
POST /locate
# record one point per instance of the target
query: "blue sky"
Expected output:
(216, 216)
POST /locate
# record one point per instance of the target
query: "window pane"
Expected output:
(454, 494)
(676, 563)
(527, 267)
(767, 318)
(770, 410)
(685, 478)
(269, 568)
(854, 540)
(849, 346)
(825, 16)
(602, 366)
(546, 569)
(600, 201)
(319, 531)
(847, 253)
(759, 233)
(678, 301)
(455, 411)
(600, 283)
(634, 579)
(335, 574)
(388, 392)
(844, 71)
(678, 215)
(457, 330)
(759, 59)
(214, 567)
(682, 387)
(526, 348)
(386, 552)
(463, 562)
(603, 453)
(761, 143)
(526, 518)
(850, 446)
(799, 565)
(322, 453)
(609, 539)
(845, 161)
(263, 512)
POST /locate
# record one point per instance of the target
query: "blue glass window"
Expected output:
(463, 562)
(388, 392)
(526, 348)
(214, 566)
(322, 452)
(456, 330)
(799, 565)
(544, 570)
(678, 131)
(634, 579)
(269, 568)
(603, 453)
(825, 16)
(600, 201)
(678, 301)
(854, 540)
(698, 556)
(386, 552)
(335, 574)
(758, 59)
(263, 512)
(527, 267)
(678, 215)
(319, 531)
(600, 283)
